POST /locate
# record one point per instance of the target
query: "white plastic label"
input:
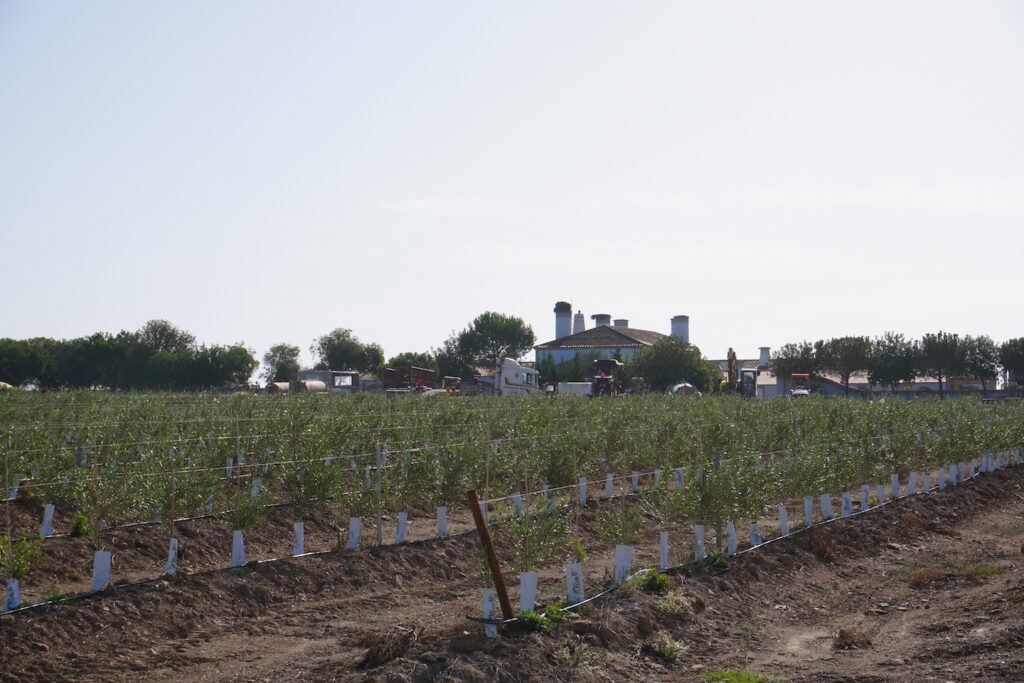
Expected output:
(355, 528)
(299, 543)
(609, 486)
(865, 497)
(12, 596)
(574, 583)
(698, 541)
(808, 511)
(172, 557)
(623, 562)
(47, 528)
(527, 591)
(894, 486)
(663, 551)
(490, 597)
(517, 501)
(826, 506)
(403, 522)
(755, 534)
(100, 570)
(783, 521)
(731, 541)
(237, 549)
(442, 521)
(680, 478)
(582, 491)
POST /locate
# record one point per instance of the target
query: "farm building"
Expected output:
(606, 338)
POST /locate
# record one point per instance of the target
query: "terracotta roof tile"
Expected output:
(604, 336)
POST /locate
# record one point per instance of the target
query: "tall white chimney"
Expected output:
(579, 324)
(765, 358)
(563, 319)
(621, 322)
(601, 319)
(681, 327)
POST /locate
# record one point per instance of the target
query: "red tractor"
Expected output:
(606, 378)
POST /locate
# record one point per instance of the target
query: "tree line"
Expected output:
(892, 359)
(157, 356)
(481, 345)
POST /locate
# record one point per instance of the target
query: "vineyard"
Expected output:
(153, 485)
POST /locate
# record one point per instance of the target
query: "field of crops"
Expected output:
(114, 460)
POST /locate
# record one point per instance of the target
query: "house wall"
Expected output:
(562, 355)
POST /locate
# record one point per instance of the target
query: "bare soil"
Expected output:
(927, 588)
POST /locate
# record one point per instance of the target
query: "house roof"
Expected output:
(604, 337)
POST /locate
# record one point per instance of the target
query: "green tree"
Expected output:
(281, 363)
(981, 359)
(492, 337)
(669, 361)
(845, 356)
(161, 335)
(942, 355)
(795, 358)
(342, 350)
(450, 360)
(1011, 357)
(23, 361)
(893, 359)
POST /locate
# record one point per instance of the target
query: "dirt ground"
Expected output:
(928, 588)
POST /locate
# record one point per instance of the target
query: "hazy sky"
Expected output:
(267, 171)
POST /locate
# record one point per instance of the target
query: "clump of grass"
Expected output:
(575, 656)
(666, 648)
(925, 576)
(850, 639)
(56, 597)
(731, 676)
(80, 527)
(678, 603)
(652, 581)
(531, 621)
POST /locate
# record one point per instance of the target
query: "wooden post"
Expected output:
(492, 558)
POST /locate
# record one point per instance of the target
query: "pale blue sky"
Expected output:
(266, 171)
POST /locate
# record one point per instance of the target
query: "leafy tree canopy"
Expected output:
(669, 361)
(281, 363)
(492, 337)
(342, 350)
